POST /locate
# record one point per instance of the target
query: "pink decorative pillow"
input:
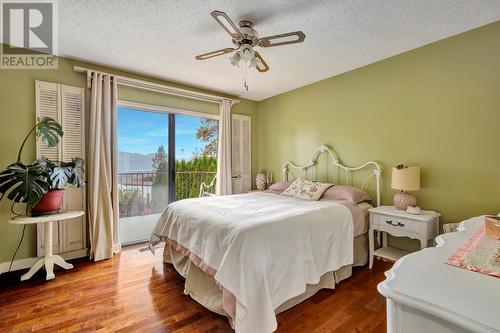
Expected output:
(279, 187)
(306, 189)
(348, 193)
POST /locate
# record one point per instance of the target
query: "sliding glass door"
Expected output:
(195, 154)
(142, 171)
(161, 157)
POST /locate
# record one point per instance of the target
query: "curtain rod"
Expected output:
(151, 86)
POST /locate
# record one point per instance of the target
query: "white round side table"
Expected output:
(49, 259)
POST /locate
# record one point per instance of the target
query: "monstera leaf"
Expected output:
(49, 131)
(62, 173)
(27, 184)
(60, 176)
(45, 164)
(76, 179)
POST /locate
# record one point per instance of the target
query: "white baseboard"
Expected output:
(28, 262)
(17, 264)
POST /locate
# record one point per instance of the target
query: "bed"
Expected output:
(251, 256)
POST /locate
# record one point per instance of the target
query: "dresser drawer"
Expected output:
(395, 225)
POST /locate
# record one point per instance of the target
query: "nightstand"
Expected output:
(390, 220)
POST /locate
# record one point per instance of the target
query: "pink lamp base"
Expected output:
(403, 200)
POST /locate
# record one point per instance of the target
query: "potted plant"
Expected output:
(41, 184)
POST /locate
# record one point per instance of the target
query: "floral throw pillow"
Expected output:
(306, 189)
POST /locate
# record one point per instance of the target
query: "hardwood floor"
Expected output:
(136, 292)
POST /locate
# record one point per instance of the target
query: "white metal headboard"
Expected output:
(335, 163)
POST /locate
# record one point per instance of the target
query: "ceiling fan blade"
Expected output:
(261, 66)
(214, 53)
(227, 24)
(282, 39)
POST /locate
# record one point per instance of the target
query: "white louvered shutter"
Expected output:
(73, 145)
(246, 156)
(48, 105)
(66, 105)
(235, 156)
(73, 122)
(241, 159)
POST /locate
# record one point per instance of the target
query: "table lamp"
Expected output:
(405, 178)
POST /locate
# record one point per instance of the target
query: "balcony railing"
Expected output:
(144, 193)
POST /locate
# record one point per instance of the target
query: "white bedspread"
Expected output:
(264, 247)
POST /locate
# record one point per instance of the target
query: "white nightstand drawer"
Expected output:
(393, 224)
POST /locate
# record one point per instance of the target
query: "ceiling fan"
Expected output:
(245, 38)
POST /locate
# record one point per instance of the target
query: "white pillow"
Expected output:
(306, 189)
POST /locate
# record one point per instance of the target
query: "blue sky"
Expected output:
(142, 132)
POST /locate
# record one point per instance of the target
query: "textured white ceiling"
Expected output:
(161, 38)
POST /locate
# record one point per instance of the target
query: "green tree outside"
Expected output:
(189, 173)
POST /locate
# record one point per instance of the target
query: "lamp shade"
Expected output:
(406, 179)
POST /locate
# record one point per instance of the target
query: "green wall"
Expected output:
(437, 107)
(17, 116)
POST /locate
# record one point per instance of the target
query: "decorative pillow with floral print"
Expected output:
(306, 189)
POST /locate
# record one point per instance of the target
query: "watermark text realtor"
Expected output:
(29, 34)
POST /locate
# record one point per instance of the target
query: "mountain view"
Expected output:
(134, 162)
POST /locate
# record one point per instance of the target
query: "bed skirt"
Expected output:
(203, 288)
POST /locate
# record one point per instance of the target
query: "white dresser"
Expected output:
(426, 295)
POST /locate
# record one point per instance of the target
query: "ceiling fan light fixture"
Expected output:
(235, 59)
(246, 61)
(245, 38)
(254, 62)
(246, 52)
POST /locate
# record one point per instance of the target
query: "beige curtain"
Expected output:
(223, 184)
(102, 157)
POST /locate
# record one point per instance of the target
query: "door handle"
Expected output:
(236, 177)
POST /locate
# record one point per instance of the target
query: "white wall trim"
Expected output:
(28, 262)
(159, 108)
